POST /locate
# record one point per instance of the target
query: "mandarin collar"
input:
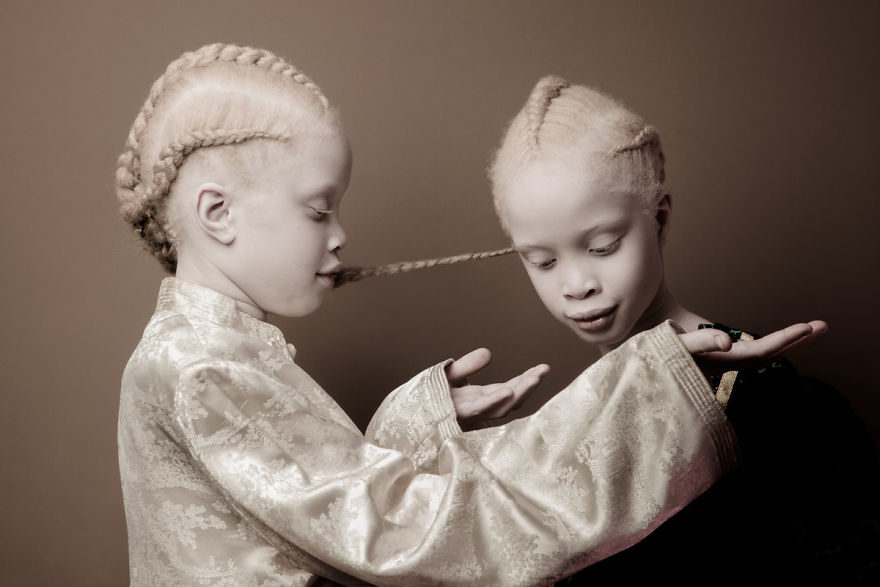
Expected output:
(197, 301)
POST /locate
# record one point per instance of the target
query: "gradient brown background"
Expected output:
(768, 116)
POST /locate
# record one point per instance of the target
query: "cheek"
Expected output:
(642, 273)
(547, 289)
(618, 275)
(303, 244)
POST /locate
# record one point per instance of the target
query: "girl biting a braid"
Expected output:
(239, 469)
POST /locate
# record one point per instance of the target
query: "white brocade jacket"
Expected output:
(238, 469)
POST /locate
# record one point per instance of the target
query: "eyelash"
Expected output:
(597, 251)
(320, 214)
(606, 250)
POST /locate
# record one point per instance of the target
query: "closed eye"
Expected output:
(605, 250)
(547, 264)
(319, 214)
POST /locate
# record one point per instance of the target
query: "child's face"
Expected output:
(592, 253)
(288, 233)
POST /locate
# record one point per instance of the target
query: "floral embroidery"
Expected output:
(238, 469)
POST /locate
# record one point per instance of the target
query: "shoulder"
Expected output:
(178, 355)
(169, 343)
(149, 382)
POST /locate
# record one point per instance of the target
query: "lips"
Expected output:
(593, 320)
(328, 280)
(328, 277)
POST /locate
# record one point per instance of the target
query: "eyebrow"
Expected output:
(581, 235)
(324, 196)
(526, 249)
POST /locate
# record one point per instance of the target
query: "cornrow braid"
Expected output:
(545, 91)
(139, 203)
(155, 233)
(172, 156)
(350, 274)
(647, 137)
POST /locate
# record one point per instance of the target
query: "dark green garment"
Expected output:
(804, 508)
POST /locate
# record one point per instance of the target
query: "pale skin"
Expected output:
(594, 254)
(273, 243)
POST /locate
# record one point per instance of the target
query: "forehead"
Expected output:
(307, 162)
(323, 148)
(546, 199)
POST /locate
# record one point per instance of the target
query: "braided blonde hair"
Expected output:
(538, 104)
(218, 95)
(350, 274)
(583, 127)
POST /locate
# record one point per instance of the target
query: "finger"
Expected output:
(526, 382)
(482, 405)
(776, 343)
(459, 370)
(528, 378)
(705, 340)
(747, 353)
(818, 327)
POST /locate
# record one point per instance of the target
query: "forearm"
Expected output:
(617, 452)
(416, 418)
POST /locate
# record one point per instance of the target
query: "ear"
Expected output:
(213, 213)
(664, 216)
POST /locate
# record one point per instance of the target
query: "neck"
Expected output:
(663, 307)
(200, 270)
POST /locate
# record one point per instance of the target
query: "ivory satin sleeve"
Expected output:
(416, 419)
(626, 445)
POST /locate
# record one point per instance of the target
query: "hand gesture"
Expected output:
(475, 404)
(714, 353)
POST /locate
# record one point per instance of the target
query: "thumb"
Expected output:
(705, 340)
(459, 370)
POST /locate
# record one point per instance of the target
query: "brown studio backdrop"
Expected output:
(768, 117)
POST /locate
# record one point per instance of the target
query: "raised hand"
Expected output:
(475, 404)
(714, 353)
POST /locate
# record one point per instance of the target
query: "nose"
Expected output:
(580, 282)
(337, 238)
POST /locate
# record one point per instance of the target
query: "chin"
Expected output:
(604, 340)
(298, 309)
